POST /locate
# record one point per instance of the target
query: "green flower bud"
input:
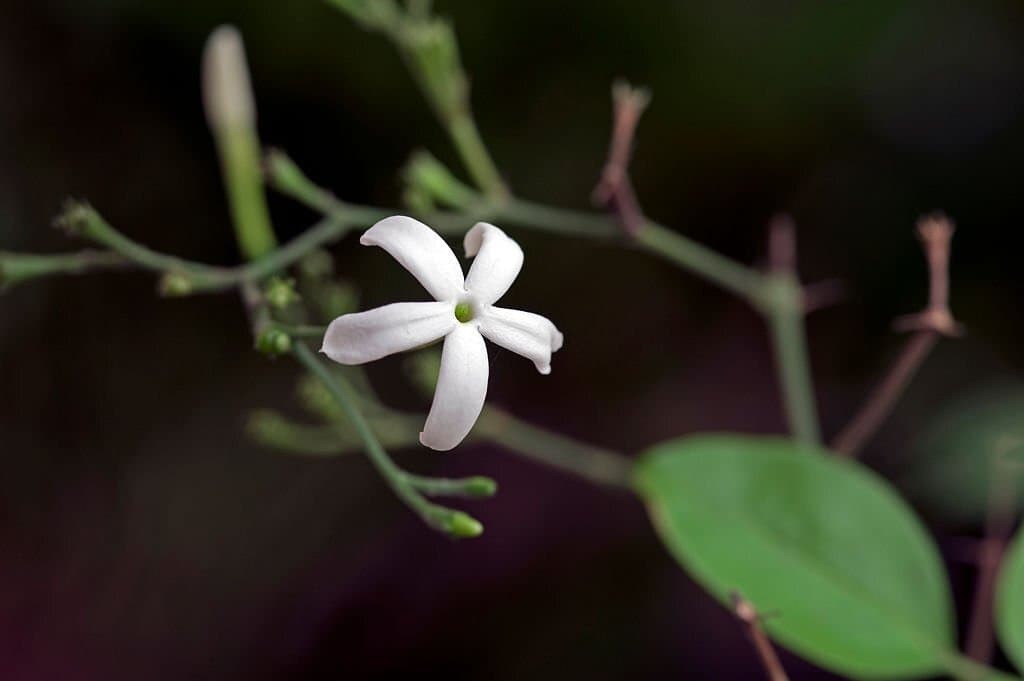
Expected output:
(464, 526)
(273, 342)
(174, 285)
(280, 293)
(480, 486)
(424, 174)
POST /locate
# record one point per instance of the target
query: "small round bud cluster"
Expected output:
(280, 293)
(273, 342)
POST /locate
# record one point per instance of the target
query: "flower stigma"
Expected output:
(464, 312)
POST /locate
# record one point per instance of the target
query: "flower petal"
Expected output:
(365, 336)
(497, 264)
(461, 389)
(420, 250)
(524, 333)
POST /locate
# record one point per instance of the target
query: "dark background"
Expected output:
(144, 537)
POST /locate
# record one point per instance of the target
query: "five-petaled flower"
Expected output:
(464, 314)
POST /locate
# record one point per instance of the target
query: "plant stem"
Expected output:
(18, 267)
(438, 517)
(702, 261)
(471, 148)
(880, 404)
(600, 466)
(786, 320)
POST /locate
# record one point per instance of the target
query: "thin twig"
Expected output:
(998, 527)
(615, 190)
(746, 613)
(936, 320)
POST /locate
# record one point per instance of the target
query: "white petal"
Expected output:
(365, 336)
(524, 333)
(497, 264)
(420, 250)
(461, 389)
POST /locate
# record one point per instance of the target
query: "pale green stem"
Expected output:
(239, 150)
(595, 464)
(783, 308)
(18, 267)
(471, 148)
(438, 517)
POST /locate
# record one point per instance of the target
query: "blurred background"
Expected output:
(143, 536)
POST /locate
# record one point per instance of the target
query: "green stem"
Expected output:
(239, 150)
(18, 267)
(702, 261)
(440, 518)
(595, 464)
(471, 148)
(784, 311)
(84, 220)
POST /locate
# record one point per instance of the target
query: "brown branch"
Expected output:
(998, 527)
(614, 190)
(746, 613)
(935, 232)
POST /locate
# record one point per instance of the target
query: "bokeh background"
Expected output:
(143, 536)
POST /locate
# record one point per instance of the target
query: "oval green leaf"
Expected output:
(851, 577)
(1010, 602)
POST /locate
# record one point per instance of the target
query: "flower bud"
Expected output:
(174, 285)
(227, 91)
(480, 486)
(280, 293)
(425, 174)
(463, 526)
(273, 342)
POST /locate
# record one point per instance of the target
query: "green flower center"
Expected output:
(464, 312)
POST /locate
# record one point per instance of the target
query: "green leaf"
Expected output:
(1010, 602)
(853, 580)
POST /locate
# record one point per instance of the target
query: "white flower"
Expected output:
(464, 314)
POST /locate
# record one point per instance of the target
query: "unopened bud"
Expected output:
(280, 293)
(463, 526)
(480, 486)
(273, 342)
(423, 172)
(174, 285)
(227, 90)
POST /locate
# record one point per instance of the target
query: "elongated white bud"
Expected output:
(227, 90)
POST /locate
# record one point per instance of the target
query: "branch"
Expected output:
(936, 320)
(614, 190)
(597, 465)
(1002, 504)
(406, 487)
(745, 612)
(19, 267)
(184, 277)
